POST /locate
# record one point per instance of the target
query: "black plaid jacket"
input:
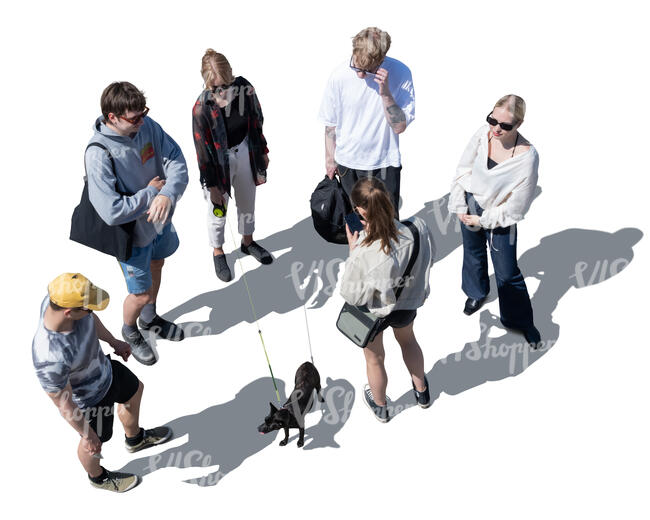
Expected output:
(211, 141)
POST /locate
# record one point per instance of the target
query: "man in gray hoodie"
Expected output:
(138, 173)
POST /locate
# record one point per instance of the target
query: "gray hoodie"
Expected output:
(138, 159)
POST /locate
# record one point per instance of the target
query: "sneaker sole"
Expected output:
(135, 483)
(145, 363)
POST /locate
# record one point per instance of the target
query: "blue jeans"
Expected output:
(137, 269)
(514, 302)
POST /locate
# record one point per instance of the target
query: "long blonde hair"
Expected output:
(213, 65)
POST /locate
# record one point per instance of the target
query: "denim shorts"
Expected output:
(137, 269)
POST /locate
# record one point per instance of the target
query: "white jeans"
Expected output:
(243, 186)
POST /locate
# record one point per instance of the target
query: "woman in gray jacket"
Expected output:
(378, 258)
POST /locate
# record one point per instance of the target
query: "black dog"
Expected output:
(292, 414)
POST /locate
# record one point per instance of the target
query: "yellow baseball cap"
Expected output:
(72, 290)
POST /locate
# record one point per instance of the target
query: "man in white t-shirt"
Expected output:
(368, 102)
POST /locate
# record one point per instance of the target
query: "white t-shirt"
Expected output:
(364, 139)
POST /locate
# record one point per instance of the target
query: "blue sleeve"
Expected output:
(112, 207)
(405, 96)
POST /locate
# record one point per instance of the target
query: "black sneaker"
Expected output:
(381, 412)
(163, 329)
(257, 252)
(221, 268)
(140, 349)
(152, 437)
(423, 398)
(117, 482)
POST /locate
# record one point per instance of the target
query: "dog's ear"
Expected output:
(273, 409)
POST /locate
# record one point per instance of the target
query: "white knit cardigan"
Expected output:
(370, 274)
(505, 192)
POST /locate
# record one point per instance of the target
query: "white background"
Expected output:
(565, 438)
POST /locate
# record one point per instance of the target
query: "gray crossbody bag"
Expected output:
(360, 325)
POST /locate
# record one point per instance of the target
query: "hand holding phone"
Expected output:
(354, 223)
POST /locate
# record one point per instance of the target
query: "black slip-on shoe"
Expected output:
(221, 268)
(472, 305)
(257, 252)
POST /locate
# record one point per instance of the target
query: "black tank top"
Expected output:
(491, 163)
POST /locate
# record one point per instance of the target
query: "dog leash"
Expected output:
(311, 354)
(250, 300)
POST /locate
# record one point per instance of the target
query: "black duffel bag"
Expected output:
(88, 228)
(329, 205)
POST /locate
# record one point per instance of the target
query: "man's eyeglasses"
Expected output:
(504, 126)
(357, 69)
(135, 120)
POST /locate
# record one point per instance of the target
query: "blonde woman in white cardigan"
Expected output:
(492, 190)
(378, 258)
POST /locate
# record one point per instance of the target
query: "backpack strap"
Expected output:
(409, 266)
(117, 181)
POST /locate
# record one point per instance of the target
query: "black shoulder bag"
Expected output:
(360, 325)
(88, 228)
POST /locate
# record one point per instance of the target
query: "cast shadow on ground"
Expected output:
(573, 258)
(225, 435)
(308, 271)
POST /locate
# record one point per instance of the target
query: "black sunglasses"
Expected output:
(504, 126)
(357, 69)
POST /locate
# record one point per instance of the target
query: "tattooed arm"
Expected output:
(330, 147)
(394, 114)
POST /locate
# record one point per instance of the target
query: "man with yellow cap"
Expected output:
(84, 383)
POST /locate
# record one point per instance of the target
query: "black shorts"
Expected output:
(123, 387)
(399, 319)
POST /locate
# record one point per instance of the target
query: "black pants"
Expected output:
(390, 176)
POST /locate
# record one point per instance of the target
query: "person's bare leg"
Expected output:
(218, 251)
(90, 463)
(412, 355)
(129, 413)
(247, 239)
(133, 305)
(156, 272)
(377, 377)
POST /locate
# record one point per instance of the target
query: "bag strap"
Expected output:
(99, 145)
(414, 255)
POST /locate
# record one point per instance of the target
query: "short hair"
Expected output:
(120, 97)
(215, 64)
(369, 47)
(515, 105)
